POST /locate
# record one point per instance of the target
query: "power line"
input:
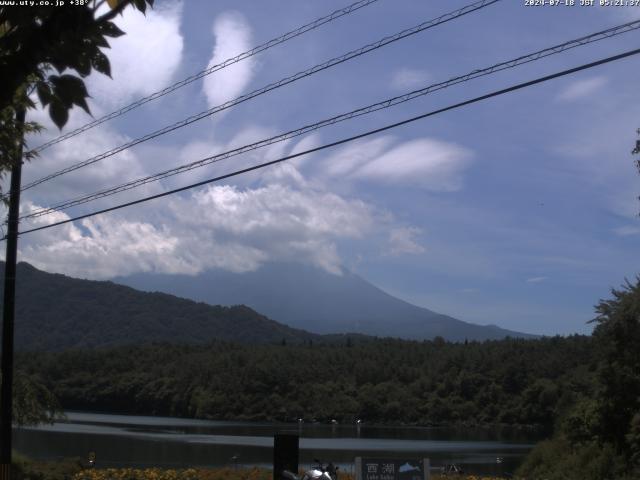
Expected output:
(285, 81)
(230, 61)
(346, 140)
(594, 37)
(362, 111)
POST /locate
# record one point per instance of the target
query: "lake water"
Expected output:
(124, 440)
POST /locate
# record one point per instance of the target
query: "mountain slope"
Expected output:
(314, 300)
(56, 312)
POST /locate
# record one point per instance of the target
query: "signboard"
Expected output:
(369, 468)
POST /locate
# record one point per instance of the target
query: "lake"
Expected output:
(127, 440)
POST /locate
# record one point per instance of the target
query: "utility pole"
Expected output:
(6, 367)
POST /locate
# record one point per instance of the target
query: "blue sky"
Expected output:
(520, 211)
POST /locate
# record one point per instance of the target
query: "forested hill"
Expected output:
(56, 312)
(510, 381)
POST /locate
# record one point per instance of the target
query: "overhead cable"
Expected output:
(343, 141)
(272, 86)
(209, 70)
(594, 37)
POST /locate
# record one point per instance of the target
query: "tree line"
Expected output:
(512, 381)
(599, 436)
(585, 389)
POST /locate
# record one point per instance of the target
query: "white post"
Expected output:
(358, 468)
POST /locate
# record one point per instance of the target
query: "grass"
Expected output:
(214, 474)
(26, 469)
(72, 469)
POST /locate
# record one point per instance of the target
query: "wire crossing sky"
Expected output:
(477, 73)
(519, 212)
(447, 17)
(345, 140)
(208, 71)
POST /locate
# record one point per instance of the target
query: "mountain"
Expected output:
(312, 299)
(55, 312)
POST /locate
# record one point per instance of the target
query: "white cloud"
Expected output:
(218, 227)
(288, 172)
(283, 174)
(120, 168)
(626, 14)
(409, 79)
(308, 142)
(103, 247)
(145, 59)
(582, 89)
(536, 279)
(348, 159)
(232, 36)
(154, 37)
(428, 163)
(627, 230)
(250, 134)
(593, 138)
(403, 241)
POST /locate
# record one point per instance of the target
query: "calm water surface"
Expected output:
(124, 440)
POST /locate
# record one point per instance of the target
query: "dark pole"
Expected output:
(6, 391)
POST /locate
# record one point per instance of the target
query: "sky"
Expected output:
(519, 211)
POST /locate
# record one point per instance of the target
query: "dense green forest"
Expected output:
(55, 312)
(524, 382)
(599, 436)
(586, 388)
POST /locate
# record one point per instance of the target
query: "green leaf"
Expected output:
(58, 64)
(68, 86)
(28, 103)
(59, 113)
(83, 65)
(82, 103)
(44, 93)
(69, 90)
(140, 5)
(111, 30)
(100, 41)
(100, 62)
(60, 92)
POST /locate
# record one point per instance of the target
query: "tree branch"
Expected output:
(112, 14)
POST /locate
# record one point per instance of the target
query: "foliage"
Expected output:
(559, 459)
(636, 151)
(136, 474)
(254, 473)
(465, 477)
(209, 474)
(40, 39)
(99, 314)
(12, 133)
(36, 40)
(517, 382)
(71, 469)
(33, 402)
(27, 469)
(185, 474)
(618, 336)
(599, 437)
